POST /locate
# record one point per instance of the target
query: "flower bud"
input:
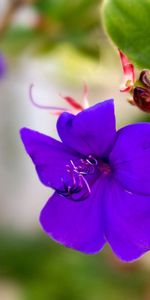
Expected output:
(141, 98)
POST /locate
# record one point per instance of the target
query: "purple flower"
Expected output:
(2, 66)
(101, 180)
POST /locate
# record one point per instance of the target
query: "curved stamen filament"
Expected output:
(92, 160)
(87, 165)
(77, 174)
(55, 108)
(72, 175)
(86, 183)
(81, 177)
(75, 106)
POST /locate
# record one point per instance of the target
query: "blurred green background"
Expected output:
(57, 45)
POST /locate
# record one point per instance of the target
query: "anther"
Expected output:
(79, 182)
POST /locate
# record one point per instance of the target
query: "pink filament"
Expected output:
(55, 108)
(81, 176)
(58, 110)
(72, 102)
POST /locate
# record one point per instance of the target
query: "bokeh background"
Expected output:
(58, 45)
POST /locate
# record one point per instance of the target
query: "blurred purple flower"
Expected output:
(2, 66)
(101, 180)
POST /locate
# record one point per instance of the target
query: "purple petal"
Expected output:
(92, 131)
(130, 158)
(49, 156)
(77, 225)
(127, 223)
(2, 66)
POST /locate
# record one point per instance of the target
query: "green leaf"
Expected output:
(128, 25)
(76, 23)
(85, 42)
(16, 40)
(40, 266)
(64, 9)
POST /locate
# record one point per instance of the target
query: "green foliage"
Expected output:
(128, 24)
(46, 271)
(16, 40)
(76, 23)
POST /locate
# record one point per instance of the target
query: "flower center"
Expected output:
(82, 176)
(104, 167)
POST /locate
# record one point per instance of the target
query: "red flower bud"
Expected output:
(141, 98)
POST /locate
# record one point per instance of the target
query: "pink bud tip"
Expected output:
(128, 73)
